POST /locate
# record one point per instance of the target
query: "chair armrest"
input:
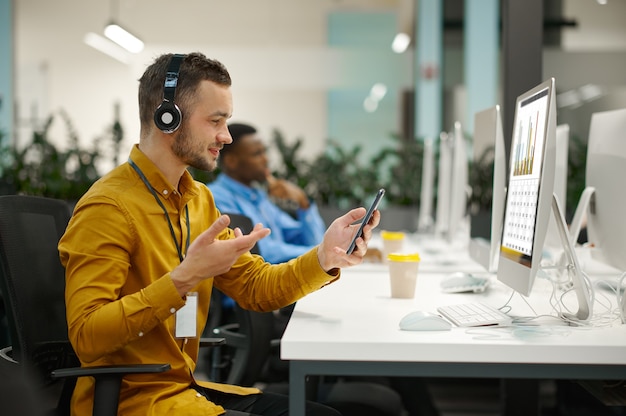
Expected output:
(5, 354)
(231, 335)
(118, 370)
(108, 382)
(212, 342)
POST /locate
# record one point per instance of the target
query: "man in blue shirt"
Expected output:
(241, 188)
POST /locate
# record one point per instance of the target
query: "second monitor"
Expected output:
(488, 173)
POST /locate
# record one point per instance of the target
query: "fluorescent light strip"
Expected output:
(123, 38)
(107, 47)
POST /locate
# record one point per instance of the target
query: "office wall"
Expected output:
(276, 51)
(366, 38)
(600, 28)
(592, 53)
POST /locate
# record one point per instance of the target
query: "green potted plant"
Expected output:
(337, 179)
(41, 168)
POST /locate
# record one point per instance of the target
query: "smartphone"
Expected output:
(366, 219)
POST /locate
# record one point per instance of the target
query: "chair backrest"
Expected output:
(32, 280)
(252, 352)
(245, 224)
(249, 339)
(216, 315)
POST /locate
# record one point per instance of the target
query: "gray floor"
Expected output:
(556, 398)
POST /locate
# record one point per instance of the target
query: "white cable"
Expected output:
(620, 298)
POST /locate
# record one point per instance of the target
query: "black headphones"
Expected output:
(167, 116)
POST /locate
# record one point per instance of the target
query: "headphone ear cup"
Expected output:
(167, 117)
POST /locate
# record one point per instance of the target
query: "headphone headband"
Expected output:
(171, 77)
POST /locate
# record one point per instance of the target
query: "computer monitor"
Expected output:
(560, 168)
(425, 218)
(530, 187)
(451, 183)
(605, 172)
(444, 184)
(458, 183)
(530, 200)
(553, 240)
(488, 183)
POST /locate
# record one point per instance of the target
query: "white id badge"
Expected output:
(186, 317)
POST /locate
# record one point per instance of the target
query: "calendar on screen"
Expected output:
(524, 175)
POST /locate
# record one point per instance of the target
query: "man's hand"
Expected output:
(207, 257)
(282, 189)
(332, 251)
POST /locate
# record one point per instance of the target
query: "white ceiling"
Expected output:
(232, 22)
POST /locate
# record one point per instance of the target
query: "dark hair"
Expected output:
(236, 130)
(194, 68)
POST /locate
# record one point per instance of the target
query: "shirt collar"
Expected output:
(156, 178)
(238, 188)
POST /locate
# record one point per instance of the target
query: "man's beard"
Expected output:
(183, 147)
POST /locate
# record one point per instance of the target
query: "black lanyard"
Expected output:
(169, 221)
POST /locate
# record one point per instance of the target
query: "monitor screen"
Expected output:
(605, 171)
(530, 187)
(488, 188)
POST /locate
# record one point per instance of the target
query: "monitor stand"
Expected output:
(572, 266)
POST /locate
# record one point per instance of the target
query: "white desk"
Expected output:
(351, 328)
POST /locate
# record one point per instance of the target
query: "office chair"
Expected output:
(32, 281)
(221, 310)
(217, 311)
(252, 339)
(245, 224)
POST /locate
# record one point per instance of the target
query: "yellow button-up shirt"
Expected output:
(121, 302)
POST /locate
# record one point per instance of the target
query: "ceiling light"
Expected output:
(400, 42)
(107, 47)
(123, 38)
(378, 91)
(370, 105)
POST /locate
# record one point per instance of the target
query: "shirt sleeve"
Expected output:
(262, 287)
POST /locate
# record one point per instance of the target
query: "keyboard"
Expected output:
(474, 314)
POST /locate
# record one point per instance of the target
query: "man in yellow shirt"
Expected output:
(146, 244)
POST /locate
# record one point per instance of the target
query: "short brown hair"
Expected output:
(194, 68)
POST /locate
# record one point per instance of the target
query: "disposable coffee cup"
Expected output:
(403, 269)
(393, 242)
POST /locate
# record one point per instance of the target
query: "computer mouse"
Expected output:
(424, 321)
(459, 282)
